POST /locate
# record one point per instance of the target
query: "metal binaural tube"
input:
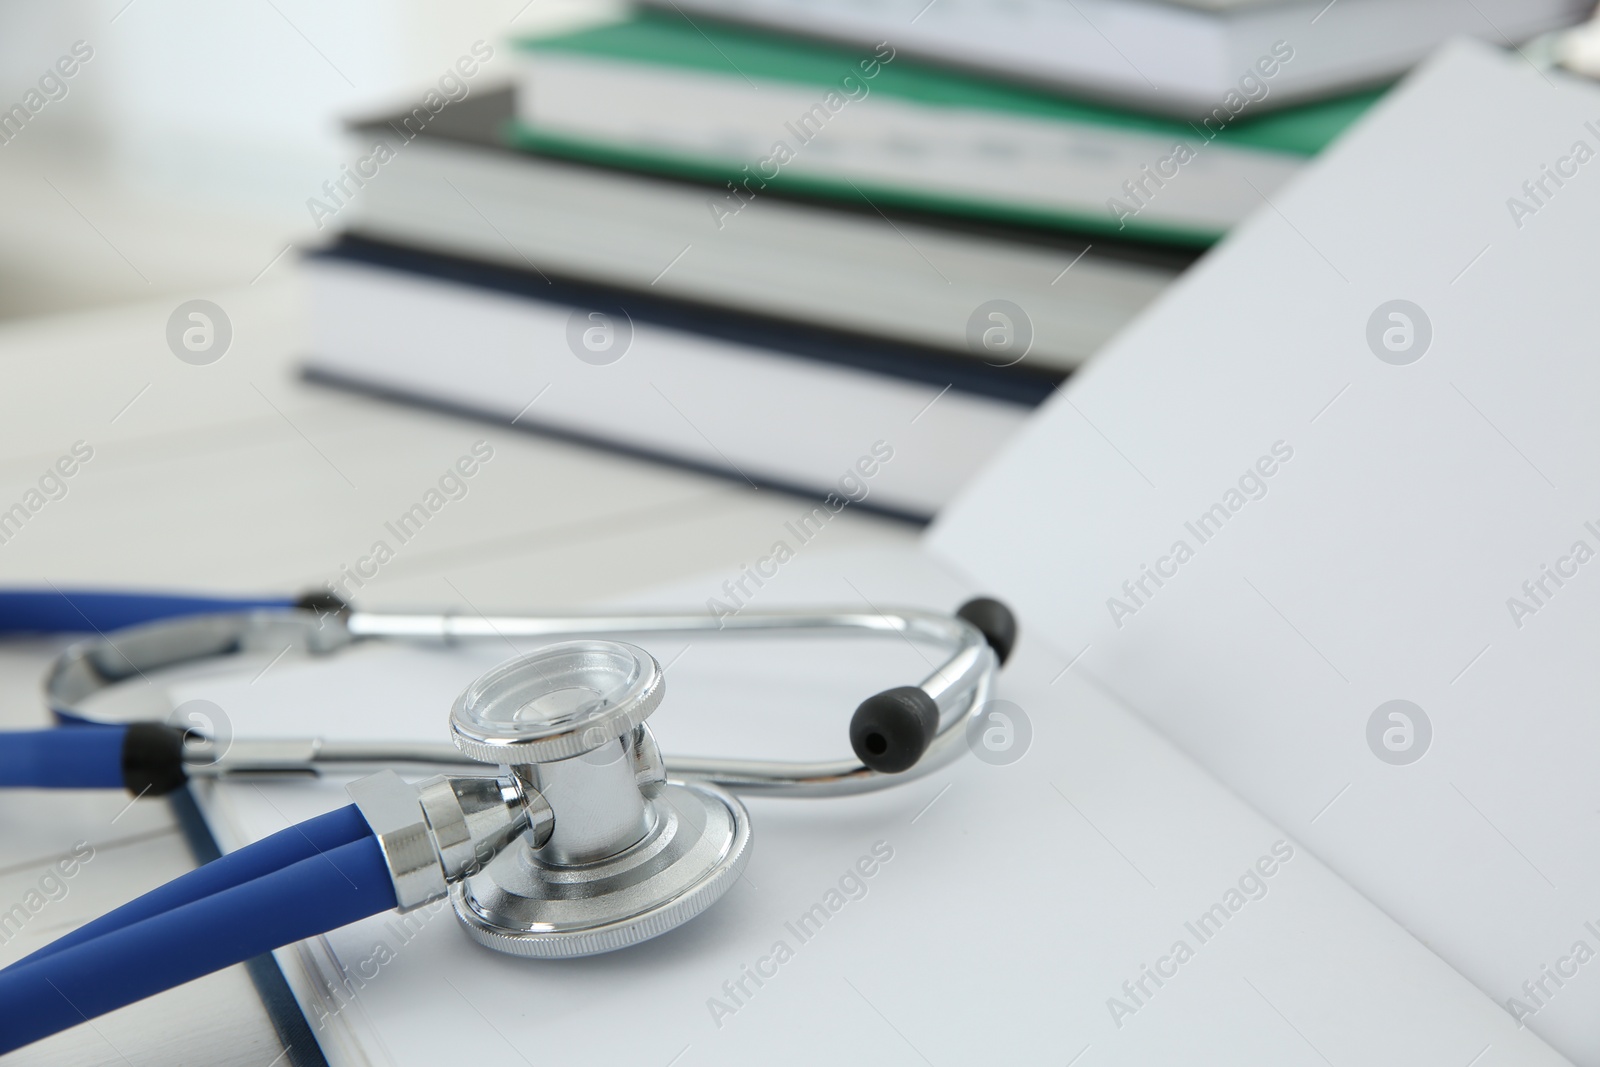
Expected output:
(959, 685)
(789, 778)
(942, 629)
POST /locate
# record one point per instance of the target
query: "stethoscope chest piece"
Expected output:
(624, 854)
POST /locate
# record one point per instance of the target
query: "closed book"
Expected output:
(1179, 57)
(452, 182)
(765, 403)
(758, 112)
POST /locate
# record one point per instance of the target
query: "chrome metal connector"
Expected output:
(442, 830)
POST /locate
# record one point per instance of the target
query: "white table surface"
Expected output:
(237, 477)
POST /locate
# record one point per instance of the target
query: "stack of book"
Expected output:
(767, 237)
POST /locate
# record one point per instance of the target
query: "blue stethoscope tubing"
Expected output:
(306, 880)
(87, 756)
(177, 940)
(52, 758)
(300, 882)
(57, 611)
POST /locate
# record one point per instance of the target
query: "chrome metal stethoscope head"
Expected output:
(580, 844)
(629, 854)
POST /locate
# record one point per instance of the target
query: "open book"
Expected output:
(1312, 791)
(1086, 891)
(1325, 514)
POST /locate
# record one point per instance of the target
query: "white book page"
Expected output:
(1323, 501)
(1022, 914)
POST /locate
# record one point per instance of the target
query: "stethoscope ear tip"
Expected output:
(891, 730)
(995, 621)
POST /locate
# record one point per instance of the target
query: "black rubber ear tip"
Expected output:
(891, 731)
(995, 621)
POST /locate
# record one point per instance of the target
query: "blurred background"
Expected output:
(183, 152)
(754, 239)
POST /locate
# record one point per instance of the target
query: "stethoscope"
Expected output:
(584, 839)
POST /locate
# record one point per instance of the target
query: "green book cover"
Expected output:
(670, 40)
